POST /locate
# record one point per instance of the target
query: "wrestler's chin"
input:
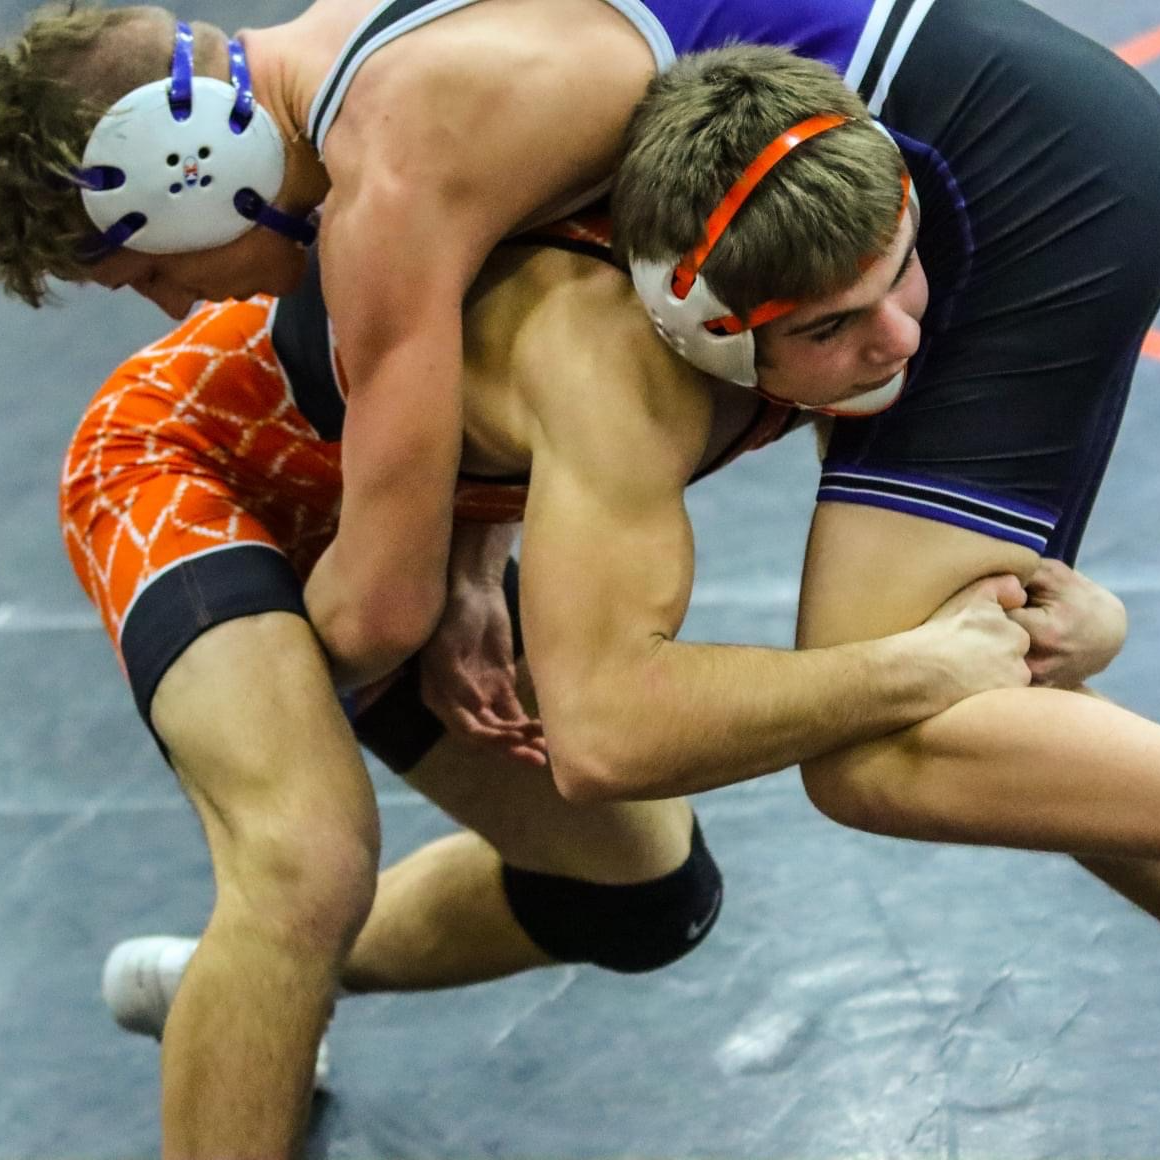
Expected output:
(284, 276)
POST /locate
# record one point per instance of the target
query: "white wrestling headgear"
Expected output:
(187, 163)
(701, 328)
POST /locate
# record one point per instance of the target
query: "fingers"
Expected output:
(1006, 590)
(1051, 576)
(520, 741)
(1033, 619)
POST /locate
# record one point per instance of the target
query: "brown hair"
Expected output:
(57, 80)
(811, 224)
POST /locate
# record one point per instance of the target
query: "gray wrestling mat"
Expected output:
(860, 998)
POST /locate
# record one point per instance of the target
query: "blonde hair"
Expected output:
(812, 223)
(57, 79)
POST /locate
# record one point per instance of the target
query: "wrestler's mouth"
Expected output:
(877, 384)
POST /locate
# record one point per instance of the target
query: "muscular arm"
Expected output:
(1038, 767)
(377, 592)
(445, 144)
(606, 572)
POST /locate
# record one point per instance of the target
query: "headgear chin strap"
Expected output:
(866, 403)
(187, 163)
(701, 328)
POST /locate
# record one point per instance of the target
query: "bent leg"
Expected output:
(443, 916)
(259, 741)
(1038, 768)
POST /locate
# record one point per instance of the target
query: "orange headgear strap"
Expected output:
(690, 265)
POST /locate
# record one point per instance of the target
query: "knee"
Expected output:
(890, 788)
(309, 885)
(625, 928)
(837, 787)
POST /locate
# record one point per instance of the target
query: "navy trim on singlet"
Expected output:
(1002, 519)
(197, 594)
(1034, 239)
(301, 336)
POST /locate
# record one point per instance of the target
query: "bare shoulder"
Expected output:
(592, 369)
(482, 103)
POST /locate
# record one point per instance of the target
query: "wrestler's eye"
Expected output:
(830, 330)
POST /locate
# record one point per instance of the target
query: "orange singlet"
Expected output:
(204, 480)
(194, 446)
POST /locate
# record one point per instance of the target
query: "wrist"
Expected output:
(923, 681)
(479, 554)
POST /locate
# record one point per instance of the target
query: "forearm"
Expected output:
(1041, 769)
(691, 717)
(367, 636)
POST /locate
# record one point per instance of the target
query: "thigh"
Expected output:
(1037, 156)
(869, 573)
(251, 723)
(519, 811)
(192, 493)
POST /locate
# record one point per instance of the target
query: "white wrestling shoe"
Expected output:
(140, 978)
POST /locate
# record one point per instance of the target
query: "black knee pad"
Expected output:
(633, 928)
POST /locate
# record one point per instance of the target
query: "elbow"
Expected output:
(593, 761)
(406, 625)
(584, 782)
(608, 735)
(367, 638)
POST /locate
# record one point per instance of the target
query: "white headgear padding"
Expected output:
(868, 402)
(181, 175)
(681, 323)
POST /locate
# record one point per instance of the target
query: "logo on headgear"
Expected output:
(675, 340)
(190, 170)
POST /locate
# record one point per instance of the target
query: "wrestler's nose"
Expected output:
(895, 336)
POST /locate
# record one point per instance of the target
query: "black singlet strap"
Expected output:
(391, 13)
(882, 49)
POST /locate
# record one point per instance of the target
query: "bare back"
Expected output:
(555, 341)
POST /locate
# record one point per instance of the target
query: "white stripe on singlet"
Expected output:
(642, 19)
(898, 51)
(867, 42)
(870, 44)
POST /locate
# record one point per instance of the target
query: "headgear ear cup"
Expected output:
(680, 322)
(186, 163)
